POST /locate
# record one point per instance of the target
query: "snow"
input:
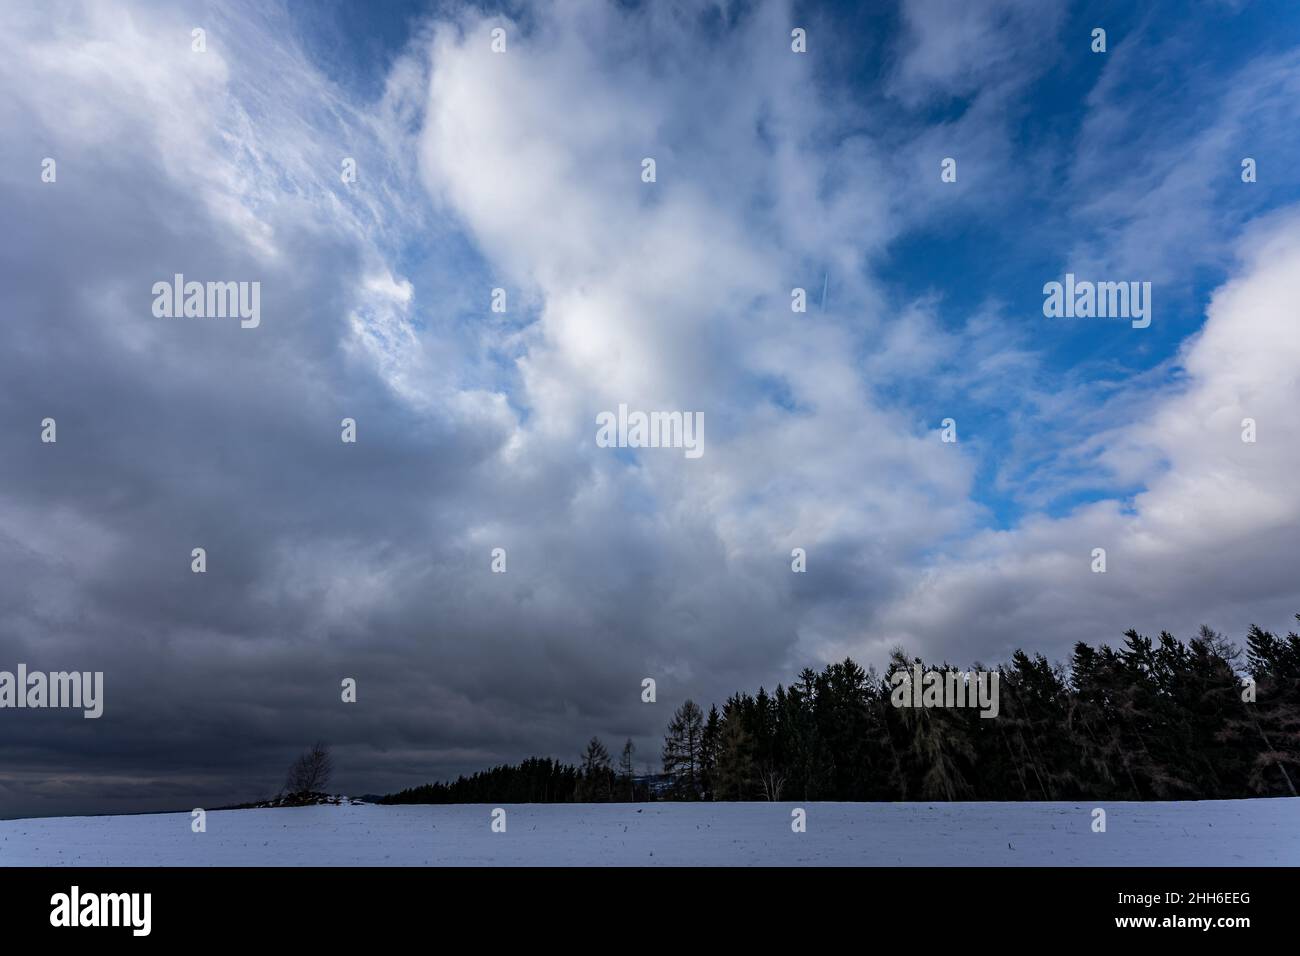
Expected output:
(1204, 833)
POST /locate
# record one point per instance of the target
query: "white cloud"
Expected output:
(667, 296)
(1210, 540)
(522, 171)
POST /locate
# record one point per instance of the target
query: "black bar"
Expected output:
(918, 905)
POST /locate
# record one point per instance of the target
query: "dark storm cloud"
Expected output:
(371, 560)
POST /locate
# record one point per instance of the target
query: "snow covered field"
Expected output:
(1226, 833)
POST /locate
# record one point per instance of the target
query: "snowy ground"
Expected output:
(1212, 833)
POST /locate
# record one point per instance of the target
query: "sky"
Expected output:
(522, 170)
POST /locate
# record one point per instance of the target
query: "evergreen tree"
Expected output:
(710, 742)
(735, 776)
(1151, 719)
(1273, 718)
(533, 781)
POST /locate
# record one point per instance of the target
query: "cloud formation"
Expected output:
(476, 429)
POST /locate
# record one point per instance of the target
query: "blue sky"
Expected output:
(996, 252)
(521, 171)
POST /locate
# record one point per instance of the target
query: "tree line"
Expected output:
(1153, 719)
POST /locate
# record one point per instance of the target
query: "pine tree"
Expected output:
(939, 746)
(1274, 716)
(1152, 719)
(735, 775)
(710, 742)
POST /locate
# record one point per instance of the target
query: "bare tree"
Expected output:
(625, 771)
(773, 782)
(682, 745)
(596, 785)
(310, 773)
